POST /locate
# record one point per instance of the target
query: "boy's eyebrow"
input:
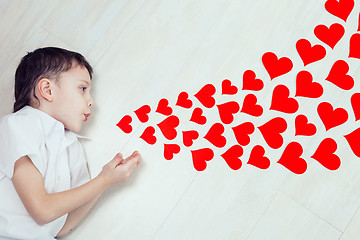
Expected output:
(87, 83)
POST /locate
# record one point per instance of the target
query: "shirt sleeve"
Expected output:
(78, 165)
(19, 138)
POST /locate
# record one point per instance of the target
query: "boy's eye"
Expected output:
(83, 89)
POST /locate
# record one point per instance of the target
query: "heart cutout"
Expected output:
(170, 150)
(232, 157)
(276, 67)
(242, 133)
(250, 82)
(189, 137)
(197, 116)
(205, 95)
(227, 88)
(124, 124)
(272, 130)
(183, 100)
(250, 107)
(282, 102)
(355, 103)
(305, 87)
(302, 127)
(148, 135)
(308, 53)
(291, 158)
(340, 9)
(330, 36)
(200, 157)
(338, 75)
(355, 46)
(353, 141)
(168, 125)
(330, 117)
(324, 154)
(142, 113)
(227, 110)
(258, 159)
(163, 107)
(214, 135)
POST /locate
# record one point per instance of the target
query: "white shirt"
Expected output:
(55, 152)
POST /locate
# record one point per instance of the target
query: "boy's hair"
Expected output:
(48, 62)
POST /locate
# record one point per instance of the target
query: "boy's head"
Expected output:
(56, 81)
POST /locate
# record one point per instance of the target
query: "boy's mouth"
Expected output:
(86, 116)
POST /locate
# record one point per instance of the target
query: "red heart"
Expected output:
(271, 132)
(214, 135)
(205, 95)
(189, 136)
(242, 133)
(291, 158)
(308, 53)
(142, 113)
(148, 135)
(330, 36)
(200, 157)
(281, 101)
(250, 107)
(276, 67)
(359, 24)
(355, 102)
(353, 140)
(226, 111)
(124, 124)
(355, 46)
(340, 9)
(163, 107)
(339, 77)
(183, 100)
(250, 83)
(330, 117)
(227, 88)
(170, 150)
(258, 159)
(324, 154)
(305, 87)
(168, 125)
(232, 157)
(302, 127)
(197, 116)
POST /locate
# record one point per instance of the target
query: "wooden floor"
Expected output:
(143, 51)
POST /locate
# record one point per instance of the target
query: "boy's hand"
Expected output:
(119, 169)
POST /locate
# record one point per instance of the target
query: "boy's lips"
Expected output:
(86, 116)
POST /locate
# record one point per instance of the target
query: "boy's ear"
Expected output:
(45, 89)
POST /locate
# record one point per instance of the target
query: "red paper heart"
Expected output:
(189, 136)
(148, 135)
(302, 127)
(281, 101)
(272, 130)
(340, 9)
(324, 154)
(355, 103)
(274, 66)
(214, 135)
(200, 157)
(353, 140)
(330, 117)
(232, 157)
(355, 46)
(168, 125)
(170, 150)
(197, 116)
(339, 77)
(250, 107)
(205, 95)
(291, 158)
(305, 87)
(142, 113)
(330, 36)
(258, 159)
(163, 107)
(250, 83)
(124, 124)
(183, 100)
(242, 133)
(308, 53)
(227, 110)
(227, 88)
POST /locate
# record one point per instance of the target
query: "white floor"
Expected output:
(143, 51)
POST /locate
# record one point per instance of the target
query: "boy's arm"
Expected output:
(45, 208)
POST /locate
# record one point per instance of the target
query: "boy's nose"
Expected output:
(91, 101)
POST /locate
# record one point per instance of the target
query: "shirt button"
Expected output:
(58, 178)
